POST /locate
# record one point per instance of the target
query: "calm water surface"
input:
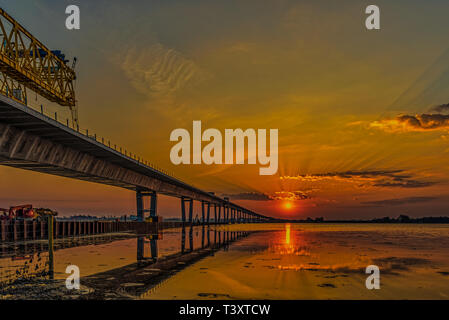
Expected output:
(283, 261)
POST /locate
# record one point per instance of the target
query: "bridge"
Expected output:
(31, 140)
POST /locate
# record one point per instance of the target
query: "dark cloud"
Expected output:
(425, 121)
(278, 195)
(442, 108)
(256, 196)
(376, 178)
(405, 184)
(399, 201)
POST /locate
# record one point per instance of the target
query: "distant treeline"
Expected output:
(400, 219)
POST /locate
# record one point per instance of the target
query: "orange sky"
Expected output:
(359, 132)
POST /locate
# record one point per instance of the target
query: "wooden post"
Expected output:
(25, 230)
(43, 229)
(50, 247)
(56, 229)
(16, 236)
(34, 229)
(3, 230)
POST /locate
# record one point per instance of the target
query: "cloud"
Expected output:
(442, 108)
(410, 123)
(255, 196)
(420, 122)
(158, 71)
(400, 201)
(291, 195)
(375, 178)
(278, 195)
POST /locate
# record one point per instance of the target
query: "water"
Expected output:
(270, 261)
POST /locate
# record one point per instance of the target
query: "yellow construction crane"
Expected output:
(26, 63)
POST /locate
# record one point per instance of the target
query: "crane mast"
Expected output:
(26, 63)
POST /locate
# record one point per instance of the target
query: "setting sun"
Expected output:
(288, 205)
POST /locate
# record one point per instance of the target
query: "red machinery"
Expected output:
(22, 212)
(25, 212)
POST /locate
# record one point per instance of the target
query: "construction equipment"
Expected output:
(26, 63)
(28, 212)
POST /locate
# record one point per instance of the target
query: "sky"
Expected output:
(362, 115)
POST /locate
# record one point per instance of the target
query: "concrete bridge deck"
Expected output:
(33, 141)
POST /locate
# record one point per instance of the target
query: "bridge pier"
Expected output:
(205, 216)
(140, 195)
(183, 209)
(208, 213)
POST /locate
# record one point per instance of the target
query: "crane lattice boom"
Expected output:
(26, 63)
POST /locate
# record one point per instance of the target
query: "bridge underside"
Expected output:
(32, 141)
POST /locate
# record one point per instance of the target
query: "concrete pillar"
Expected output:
(191, 211)
(140, 248)
(203, 212)
(183, 210)
(183, 239)
(215, 213)
(153, 207)
(139, 203)
(202, 236)
(208, 213)
(153, 249)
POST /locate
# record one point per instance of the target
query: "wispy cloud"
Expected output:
(291, 195)
(435, 120)
(410, 123)
(278, 195)
(256, 196)
(160, 71)
(442, 108)
(399, 201)
(375, 178)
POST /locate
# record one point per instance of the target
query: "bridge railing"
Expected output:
(53, 115)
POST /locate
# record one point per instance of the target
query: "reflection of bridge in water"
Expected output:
(152, 269)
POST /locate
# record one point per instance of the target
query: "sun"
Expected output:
(288, 205)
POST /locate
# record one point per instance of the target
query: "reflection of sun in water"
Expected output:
(287, 233)
(288, 243)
